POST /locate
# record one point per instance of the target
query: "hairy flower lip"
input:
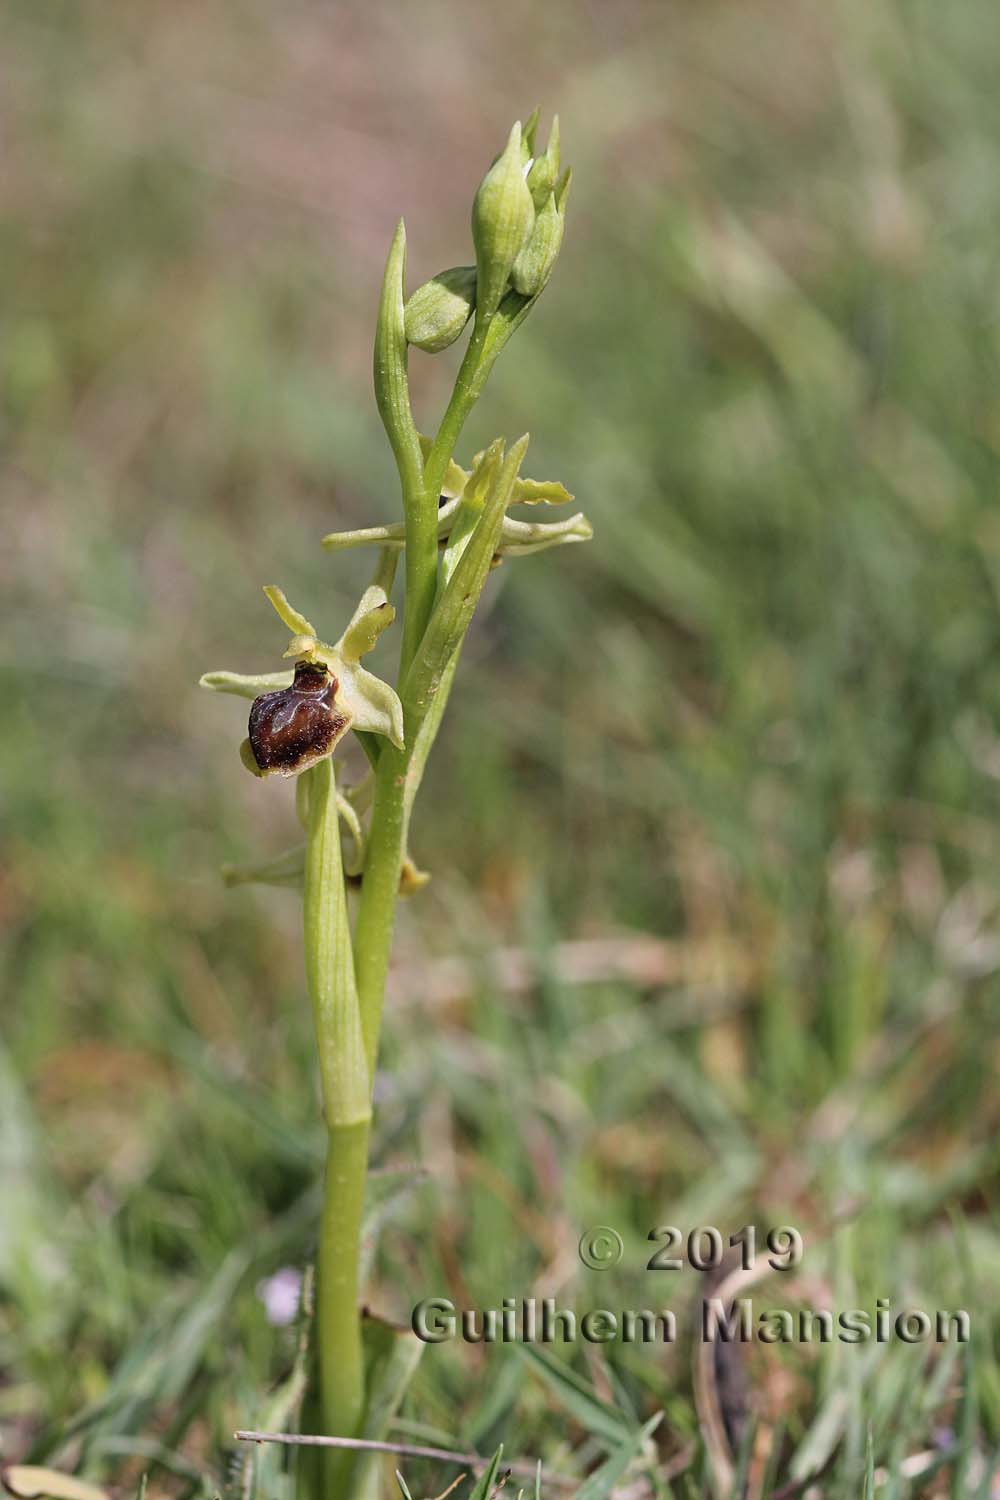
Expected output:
(293, 728)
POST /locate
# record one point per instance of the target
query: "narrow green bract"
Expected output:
(329, 964)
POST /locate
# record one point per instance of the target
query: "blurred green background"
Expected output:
(754, 721)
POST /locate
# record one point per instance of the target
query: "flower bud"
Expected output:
(438, 311)
(533, 266)
(293, 729)
(545, 169)
(502, 219)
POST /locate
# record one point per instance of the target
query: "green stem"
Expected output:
(397, 776)
(399, 771)
(468, 386)
(480, 356)
(346, 1089)
(338, 1323)
(387, 840)
(380, 889)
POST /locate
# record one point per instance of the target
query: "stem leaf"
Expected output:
(329, 961)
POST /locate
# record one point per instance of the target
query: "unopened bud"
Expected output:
(438, 311)
(533, 266)
(503, 216)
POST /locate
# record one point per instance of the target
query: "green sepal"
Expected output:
(392, 536)
(372, 703)
(518, 538)
(245, 686)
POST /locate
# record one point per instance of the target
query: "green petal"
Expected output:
(373, 615)
(297, 624)
(540, 492)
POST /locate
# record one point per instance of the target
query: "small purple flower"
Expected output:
(281, 1294)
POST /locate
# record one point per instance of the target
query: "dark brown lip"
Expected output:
(295, 727)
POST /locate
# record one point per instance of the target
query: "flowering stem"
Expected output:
(480, 356)
(421, 486)
(338, 1323)
(294, 726)
(423, 692)
(473, 371)
(346, 1089)
(380, 889)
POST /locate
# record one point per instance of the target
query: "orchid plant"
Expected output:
(455, 528)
